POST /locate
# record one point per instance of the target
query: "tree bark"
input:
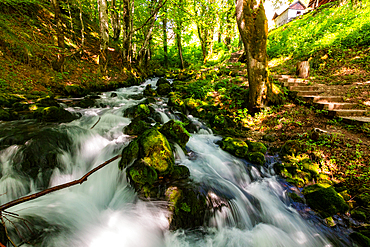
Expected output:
(128, 10)
(179, 47)
(116, 20)
(104, 35)
(82, 27)
(58, 64)
(165, 42)
(303, 69)
(252, 24)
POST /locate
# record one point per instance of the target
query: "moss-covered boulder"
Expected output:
(188, 207)
(256, 147)
(75, 90)
(5, 115)
(46, 102)
(175, 101)
(162, 81)
(234, 146)
(359, 214)
(156, 151)
(149, 91)
(141, 173)
(180, 172)
(257, 158)
(360, 239)
(140, 110)
(136, 127)
(129, 154)
(86, 102)
(324, 199)
(54, 114)
(163, 89)
(292, 147)
(176, 132)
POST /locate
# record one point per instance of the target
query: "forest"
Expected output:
(183, 123)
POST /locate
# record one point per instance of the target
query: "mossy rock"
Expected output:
(345, 195)
(75, 90)
(175, 101)
(297, 181)
(360, 239)
(159, 73)
(188, 207)
(156, 151)
(86, 103)
(324, 199)
(363, 198)
(176, 132)
(162, 81)
(359, 214)
(256, 147)
(309, 166)
(141, 173)
(46, 102)
(295, 197)
(54, 114)
(180, 172)
(149, 91)
(257, 158)
(192, 104)
(292, 147)
(5, 115)
(163, 89)
(140, 110)
(129, 154)
(136, 127)
(234, 146)
(7, 100)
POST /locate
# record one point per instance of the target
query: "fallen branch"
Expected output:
(55, 188)
(96, 123)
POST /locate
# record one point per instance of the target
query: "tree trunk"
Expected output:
(303, 69)
(128, 9)
(116, 21)
(58, 64)
(179, 47)
(165, 42)
(252, 24)
(82, 27)
(104, 35)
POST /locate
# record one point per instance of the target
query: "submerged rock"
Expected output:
(324, 199)
(188, 207)
(54, 114)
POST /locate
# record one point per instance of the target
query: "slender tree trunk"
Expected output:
(128, 8)
(165, 43)
(58, 64)
(179, 46)
(104, 35)
(116, 20)
(70, 18)
(82, 27)
(252, 24)
(141, 52)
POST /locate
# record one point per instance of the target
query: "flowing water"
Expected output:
(251, 205)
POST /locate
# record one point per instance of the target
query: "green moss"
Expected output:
(129, 154)
(156, 151)
(257, 158)
(292, 147)
(149, 91)
(256, 147)
(180, 172)
(75, 90)
(295, 197)
(175, 100)
(324, 199)
(360, 239)
(175, 131)
(53, 114)
(141, 173)
(234, 146)
(358, 214)
(163, 89)
(312, 168)
(136, 127)
(141, 111)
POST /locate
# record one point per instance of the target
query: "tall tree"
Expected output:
(104, 35)
(115, 19)
(58, 64)
(252, 24)
(165, 42)
(127, 25)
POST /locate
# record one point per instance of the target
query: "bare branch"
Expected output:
(150, 18)
(55, 188)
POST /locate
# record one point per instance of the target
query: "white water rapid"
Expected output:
(253, 209)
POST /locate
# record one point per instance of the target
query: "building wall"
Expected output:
(287, 16)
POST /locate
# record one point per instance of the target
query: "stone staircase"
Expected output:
(324, 97)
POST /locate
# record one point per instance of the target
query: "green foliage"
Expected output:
(326, 29)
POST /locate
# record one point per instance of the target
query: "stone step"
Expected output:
(281, 76)
(347, 113)
(304, 87)
(335, 106)
(324, 99)
(356, 120)
(294, 84)
(292, 80)
(308, 93)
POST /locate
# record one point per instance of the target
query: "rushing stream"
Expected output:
(252, 206)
